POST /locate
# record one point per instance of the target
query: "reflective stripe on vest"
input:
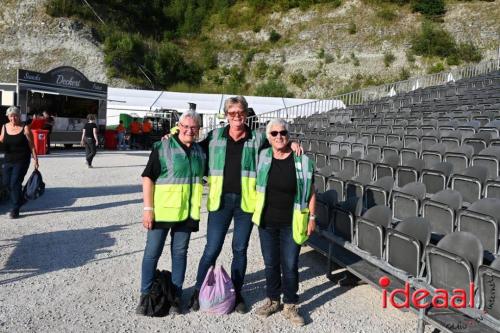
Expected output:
(304, 172)
(217, 158)
(178, 189)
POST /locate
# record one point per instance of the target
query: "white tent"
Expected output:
(140, 102)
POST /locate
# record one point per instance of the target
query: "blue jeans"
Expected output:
(120, 137)
(281, 255)
(178, 249)
(218, 225)
(13, 176)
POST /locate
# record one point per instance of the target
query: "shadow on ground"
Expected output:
(311, 265)
(38, 254)
(60, 199)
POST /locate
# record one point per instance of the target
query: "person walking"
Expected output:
(17, 140)
(284, 212)
(232, 162)
(89, 139)
(172, 191)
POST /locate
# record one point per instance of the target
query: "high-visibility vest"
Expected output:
(216, 161)
(304, 168)
(178, 189)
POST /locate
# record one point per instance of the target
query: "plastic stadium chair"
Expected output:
(470, 182)
(489, 159)
(406, 201)
(370, 230)
(481, 219)
(441, 209)
(489, 284)
(378, 193)
(344, 216)
(459, 157)
(405, 245)
(436, 176)
(454, 262)
(410, 172)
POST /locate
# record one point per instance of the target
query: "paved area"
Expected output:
(71, 263)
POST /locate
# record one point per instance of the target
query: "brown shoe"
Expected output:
(291, 312)
(268, 308)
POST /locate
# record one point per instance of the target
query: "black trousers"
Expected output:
(90, 150)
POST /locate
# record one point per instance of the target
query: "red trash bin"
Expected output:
(110, 141)
(40, 141)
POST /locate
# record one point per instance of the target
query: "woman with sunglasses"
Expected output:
(18, 144)
(284, 212)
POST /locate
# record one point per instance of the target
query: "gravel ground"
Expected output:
(71, 263)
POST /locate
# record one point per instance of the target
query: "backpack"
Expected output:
(159, 299)
(217, 295)
(34, 186)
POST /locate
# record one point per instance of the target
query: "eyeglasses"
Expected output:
(233, 114)
(282, 133)
(192, 128)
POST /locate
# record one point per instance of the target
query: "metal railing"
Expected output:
(372, 93)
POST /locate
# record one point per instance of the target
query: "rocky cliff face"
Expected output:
(325, 49)
(31, 39)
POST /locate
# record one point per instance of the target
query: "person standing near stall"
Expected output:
(135, 133)
(147, 127)
(48, 126)
(18, 144)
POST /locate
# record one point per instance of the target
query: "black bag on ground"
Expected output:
(34, 186)
(157, 303)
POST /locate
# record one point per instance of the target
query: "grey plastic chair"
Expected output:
(488, 158)
(489, 284)
(441, 209)
(434, 154)
(378, 193)
(406, 201)
(459, 157)
(387, 167)
(337, 181)
(410, 172)
(370, 230)
(344, 216)
(470, 182)
(405, 245)
(454, 262)
(436, 176)
(481, 219)
(324, 204)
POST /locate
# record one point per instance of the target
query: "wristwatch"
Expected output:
(312, 217)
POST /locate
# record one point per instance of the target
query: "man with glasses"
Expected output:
(172, 190)
(232, 163)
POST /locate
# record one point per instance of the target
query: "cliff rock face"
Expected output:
(31, 39)
(321, 50)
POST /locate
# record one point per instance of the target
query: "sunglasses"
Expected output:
(233, 114)
(192, 128)
(282, 133)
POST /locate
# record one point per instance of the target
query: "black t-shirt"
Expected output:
(280, 193)
(17, 148)
(153, 171)
(232, 166)
(89, 130)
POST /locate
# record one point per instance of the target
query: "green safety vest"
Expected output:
(304, 168)
(216, 161)
(178, 189)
